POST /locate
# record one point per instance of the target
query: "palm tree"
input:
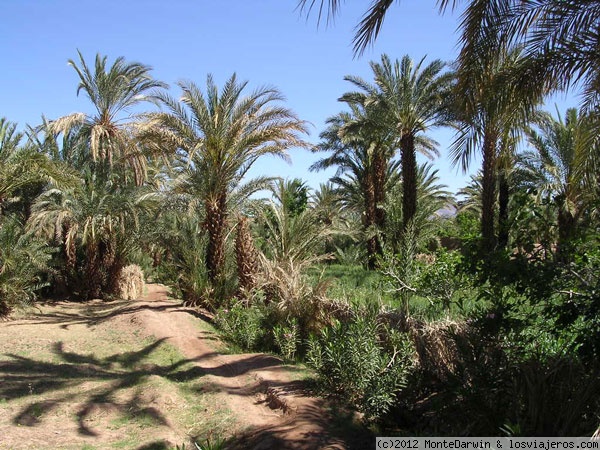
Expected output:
(24, 260)
(560, 147)
(218, 136)
(95, 225)
(327, 202)
(491, 113)
(24, 171)
(414, 100)
(109, 134)
(362, 150)
(471, 196)
(291, 194)
(370, 25)
(431, 198)
(559, 36)
(292, 243)
(559, 39)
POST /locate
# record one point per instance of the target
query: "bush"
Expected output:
(363, 362)
(242, 325)
(24, 260)
(442, 280)
(287, 338)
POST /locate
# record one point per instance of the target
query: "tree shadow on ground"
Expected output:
(24, 377)
(98, 312)
(336, 429)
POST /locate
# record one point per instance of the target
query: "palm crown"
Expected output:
(218, 136)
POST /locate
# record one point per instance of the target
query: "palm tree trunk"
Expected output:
(369, 224)
(216, 216)
(379, 178)
(409, 179)
(566, 226)
(488, 191)
(93, 272)
(503, 199)
(246, 258)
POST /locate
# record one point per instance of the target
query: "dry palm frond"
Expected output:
(438, 346)
(131, 282)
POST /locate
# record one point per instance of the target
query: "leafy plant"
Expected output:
(24, 259)
(241, 325)
(442, 279)
(363, 362)
(287, 339)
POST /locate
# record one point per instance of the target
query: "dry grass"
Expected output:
(131, 282)
(440, 345)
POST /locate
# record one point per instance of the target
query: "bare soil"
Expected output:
(151, 374)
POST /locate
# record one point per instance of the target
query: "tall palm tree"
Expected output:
(560, 147)
(560, 36)
(414, 100)
(491, 113)
(109, 133)
(218, 136)
(362, 150)
(432, 196)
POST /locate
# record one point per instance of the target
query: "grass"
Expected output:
(354, 284)
(357, 285)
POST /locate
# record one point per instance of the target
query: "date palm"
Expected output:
(369, 26)
(414, 100)
(95, 225)
(491, 113)
(362, 150)
(559, 37)
(24, 171)
(432, 196)
(219, 135)
(108, 134)
(560, 147)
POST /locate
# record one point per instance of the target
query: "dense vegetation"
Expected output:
(477, 315)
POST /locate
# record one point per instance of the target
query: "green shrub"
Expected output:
(242, 325)
(24, 260)
(363, 362)
(287, 338)
(441, 280)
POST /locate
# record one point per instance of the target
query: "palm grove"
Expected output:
(483, 322)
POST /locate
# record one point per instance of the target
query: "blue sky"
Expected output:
(263, 41)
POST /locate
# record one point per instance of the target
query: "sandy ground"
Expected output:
(149, 374)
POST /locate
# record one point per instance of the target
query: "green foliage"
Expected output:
(242, 325)
(362, 362)
(188, 268)
(24, 262)
(578, 290)
(401, 270)
(287, 338)
(442, 281)
(292, 195)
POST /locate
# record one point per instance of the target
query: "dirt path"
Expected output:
(147, 374)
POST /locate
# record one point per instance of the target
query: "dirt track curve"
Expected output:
(43, 402)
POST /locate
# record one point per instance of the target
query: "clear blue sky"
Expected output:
(263, 41)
